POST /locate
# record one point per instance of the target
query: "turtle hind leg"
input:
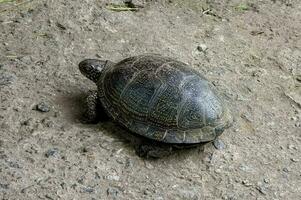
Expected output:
(94, 111)
(153, 150)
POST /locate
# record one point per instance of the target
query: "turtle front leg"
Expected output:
(94, 111)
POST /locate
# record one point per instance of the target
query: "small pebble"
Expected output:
(246, 183)
(292, 147)
(285, 170)
(113, 192)
(97, 176)
(54, 152)
(147, 192)
(87, 149)
(202, 47)
(128, 163)
(266, 180)
(219, 144)
(294, 160)
(28, 122)
(88, 190)
(43, 107)
(81, 179)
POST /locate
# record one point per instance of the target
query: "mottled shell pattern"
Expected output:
(162, 99)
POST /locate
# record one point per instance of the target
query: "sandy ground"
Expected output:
(251, 51)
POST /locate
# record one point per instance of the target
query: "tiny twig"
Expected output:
(293, 97)
(12, 7)
(210, 12)
(205, 12)
(6, 1)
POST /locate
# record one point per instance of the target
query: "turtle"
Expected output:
(159, 98)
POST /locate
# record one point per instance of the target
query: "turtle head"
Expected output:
(92, 68)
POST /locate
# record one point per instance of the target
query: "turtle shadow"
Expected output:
(73, 109)
(72, 106)
(134, 141)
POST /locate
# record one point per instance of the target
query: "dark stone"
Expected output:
(43, 107)
(54, 152)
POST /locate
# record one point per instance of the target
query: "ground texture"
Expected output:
(251, 51)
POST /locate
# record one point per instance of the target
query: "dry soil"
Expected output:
(250, 50)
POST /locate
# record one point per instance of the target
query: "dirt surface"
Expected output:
(251, 51)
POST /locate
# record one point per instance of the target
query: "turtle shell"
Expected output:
(162, 99)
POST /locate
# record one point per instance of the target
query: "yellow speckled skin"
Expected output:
(162, 99)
